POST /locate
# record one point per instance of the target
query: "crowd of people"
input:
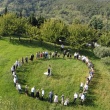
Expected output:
(39, 94)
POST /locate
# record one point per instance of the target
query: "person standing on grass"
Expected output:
(32, 91)
(82, 98)
(66, 102)
(75, 97)
(56, 98)
(18, 87)
(62, 99)
(38, 94)
(26, 90)
(26, 59)
(42, 91)
(81, 86)
(49, 70)
(22, 60)
(50, 96)
(62, 47)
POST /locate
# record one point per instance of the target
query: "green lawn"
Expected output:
(66, 78)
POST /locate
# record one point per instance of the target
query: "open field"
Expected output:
(67, 75)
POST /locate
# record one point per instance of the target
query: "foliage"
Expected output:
(105, 39)
(52, 30)
(32, 20)
(67, 10)
(106, 60)
(7, 24)
(101, 52)
(80, 35)
(96, 23)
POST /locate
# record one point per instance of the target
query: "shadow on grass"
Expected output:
(35, 44)
(89, 53)
(91, 96)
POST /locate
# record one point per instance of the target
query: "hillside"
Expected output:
(68, 10)
(10, 99)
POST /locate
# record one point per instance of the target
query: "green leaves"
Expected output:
(80, 35)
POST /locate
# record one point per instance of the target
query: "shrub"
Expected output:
(102, 51)
(106, 60)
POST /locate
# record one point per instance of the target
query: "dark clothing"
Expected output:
(32, 94)
(50, 96)
(37, 94)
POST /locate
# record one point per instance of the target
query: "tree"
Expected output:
(8, 24)
(80, 35)
(52, 30)
(32, 20)
(96, 23)
(31, 32)
(105, 39)
(40, 21)
(20, 28)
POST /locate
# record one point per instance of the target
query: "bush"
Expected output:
(101, 52)
(106, 60)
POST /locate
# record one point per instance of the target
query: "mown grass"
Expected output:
(67, 75)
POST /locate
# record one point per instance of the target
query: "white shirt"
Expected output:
(66, 102)
(75, 54)
(19, 87)
(75, 95)
(90, 77)
(15, 79)
(86, 86)
(56, 98)
(14, 73)
(81, 85)
(62, 46)
(33, 89)
(42, 92)
(12, 69)
(82, 97)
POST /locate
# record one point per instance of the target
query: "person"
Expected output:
(50, 96)
(18, 86)
(66, 102)
(14, 74)
(22, 60)
(26, 90)
(15, 80)
(56, 98)
(42, 98)
(32, 91)
(32, 57)
(53, 54)
(38, 94)
(12, 69)
(49, 70)
(62, 47)
(62, 99)
(75, 97)
(81, 86)
(82, 98)
(85, 87)
(68, 54)
(48, 73)
(56, 53)
(16, 64)
(64, 53)
(26, 59)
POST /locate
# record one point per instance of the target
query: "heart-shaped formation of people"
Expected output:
(46, 55)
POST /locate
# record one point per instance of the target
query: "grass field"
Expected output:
(67, 75)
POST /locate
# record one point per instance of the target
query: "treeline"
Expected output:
(67, 10)
(54, 30)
